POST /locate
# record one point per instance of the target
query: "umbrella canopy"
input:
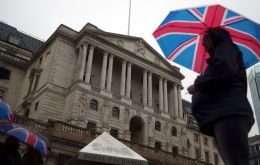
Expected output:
(107, 149)
(6, 112)
(181, 32)
(6, 126)
(28, 137)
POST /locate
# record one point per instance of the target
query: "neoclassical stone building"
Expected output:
(93, 81)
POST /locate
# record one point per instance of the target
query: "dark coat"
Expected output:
(222, 90)
(8, 158)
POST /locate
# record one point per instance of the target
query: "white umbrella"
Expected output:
(107, 149)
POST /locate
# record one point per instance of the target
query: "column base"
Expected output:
(106, 93)
(166, 115)
(84, 85)
(148, 108)
(126, 100)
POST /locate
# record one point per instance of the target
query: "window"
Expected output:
(94, 105)
(47, 53)
(197, 153)
(36, 106)
(2, 92)
(257, 147)
(91, 126)
(174, 131)
(207, 156)
(157, 145)
(216, 159)
(36, 83)
(174, 150)
(14, 39)
(157, 126)
(115, 112)
(27, 112)
(114, 133)
(196, 137)
(205, 141)
(252, 149)
(40, 61)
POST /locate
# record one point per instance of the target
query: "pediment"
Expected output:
(137, 46)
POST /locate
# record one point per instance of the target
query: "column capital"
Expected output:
(105, 53)
(180, 86)
(111, 55)
(92, 46)
(81, 43)
(85, 43)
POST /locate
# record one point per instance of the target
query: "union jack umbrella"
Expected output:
(6, 112)
(6, 126)
(28, 137)
(181, 32)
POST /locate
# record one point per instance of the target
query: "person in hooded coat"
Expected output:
(219, 98)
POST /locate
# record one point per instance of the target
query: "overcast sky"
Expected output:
(41, 18)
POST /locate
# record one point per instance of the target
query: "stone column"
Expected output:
(171, 103)
(161, 94)
(82, 58)
(104, 71)
(145, 87)
(175, 100)
(128, 83)
(165, 95)
(110, 71)
(150, 92)
(123, 73)
(89, 64)
(180, 102)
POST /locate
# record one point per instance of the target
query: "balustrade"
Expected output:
(82, 136)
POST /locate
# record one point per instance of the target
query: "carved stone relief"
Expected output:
(157, 61)
(120, 43)
(139, 48)
(82, 106)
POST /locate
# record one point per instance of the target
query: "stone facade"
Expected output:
(103, 81)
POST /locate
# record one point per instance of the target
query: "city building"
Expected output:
(254, 150)
(254, 85)
(77, 85)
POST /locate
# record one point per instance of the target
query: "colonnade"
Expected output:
(85, 60)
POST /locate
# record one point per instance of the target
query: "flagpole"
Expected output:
(129, 18)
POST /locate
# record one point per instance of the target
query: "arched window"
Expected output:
(27, 112)
(174, 131)
(174, 150)
(157, 145)
(94, 105)
(157, 126)
(115, 112)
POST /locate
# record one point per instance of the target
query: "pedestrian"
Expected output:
(10, 155)
(32, 156)
(219, 98)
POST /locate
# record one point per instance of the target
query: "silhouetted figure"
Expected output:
(10, 155)
(32, 156)
(219, 101)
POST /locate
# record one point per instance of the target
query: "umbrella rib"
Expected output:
(214, 16)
